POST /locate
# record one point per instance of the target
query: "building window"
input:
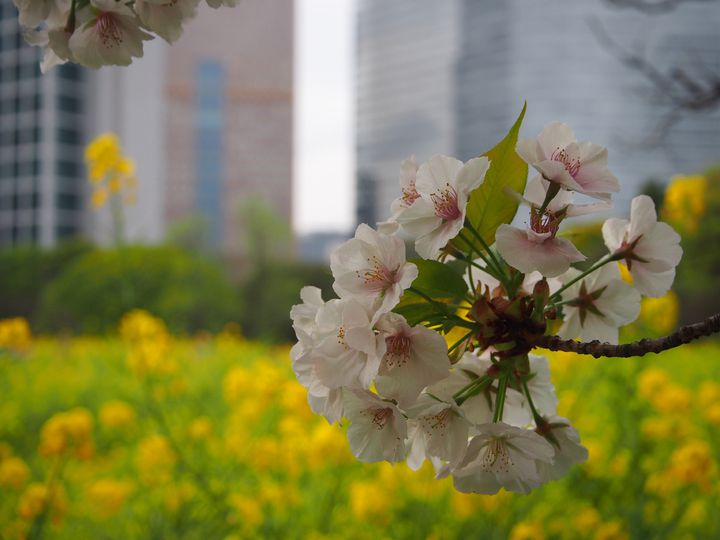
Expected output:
(209, 102)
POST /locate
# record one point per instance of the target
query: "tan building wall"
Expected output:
(254, 44)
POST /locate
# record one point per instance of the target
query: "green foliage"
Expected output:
(489, 206)
(435, 280)
(95, 290)
(26, 270)
(697, 281)
(269, 293)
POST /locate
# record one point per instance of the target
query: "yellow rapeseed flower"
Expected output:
(15, 334)
(652, 381)
(102, 156)
(201, 428)
(693, 463)
(660, 314)
(155, 460)
(527, 530)
(370, 501)
(68, 432)
(117, 414)
(107, 496)
(685, 202)
(33, 501)
(14, 473)
(249, 511)
(611, 530)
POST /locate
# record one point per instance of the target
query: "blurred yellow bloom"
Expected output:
(155, 460)
(587, 519)
(99, 197)
(652, 382)
(249, 512)
(66, 432)
(33, 501)
(708, 394)
(685, 202)
(693, 463)
(15, 334)
(14, 473)
(369, 500)
(107, 496)
(201, 428)
(625, 273)
(527, 530)
(660, 314)
(236, 384)
(611, 530)
(177, 495)
(329, 447)
(117, 414)
(102, 155)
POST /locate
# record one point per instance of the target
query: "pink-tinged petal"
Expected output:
(470, 176)
(651, 283)
(555, 136)
(529, 151)
(436, 174)
(556, 172)
(551, 257)
(614, 231)
(430, 245)
(419, 219)
(643, 216)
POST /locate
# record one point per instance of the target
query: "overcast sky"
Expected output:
(324, 115)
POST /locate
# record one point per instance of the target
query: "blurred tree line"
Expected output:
(80, 288)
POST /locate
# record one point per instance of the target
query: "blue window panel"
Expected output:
(209, 104)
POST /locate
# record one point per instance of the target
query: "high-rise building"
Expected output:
(41, 137)
(228, 125)
(451, 77)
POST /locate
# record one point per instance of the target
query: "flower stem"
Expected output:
(500, 398)
(602, 262)
(535, 412)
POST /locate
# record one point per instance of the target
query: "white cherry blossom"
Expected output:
(165, 17)
(436, 429)
(539, 250)
(598, 305)
(339, 347)
(378, 429)
(408, 176)
(415, 357)
(651, 248)
(31, 13)
(112, 35)
(541, 387)
(566, 445)
(438, 214)
(372, 264)
(578, 166)
(478, 409)
(502, 456)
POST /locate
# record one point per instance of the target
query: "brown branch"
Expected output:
(683, 335)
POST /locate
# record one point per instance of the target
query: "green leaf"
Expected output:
(489, 206)
(438, 280)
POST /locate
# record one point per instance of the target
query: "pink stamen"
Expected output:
(398, 350)
(108, 30)
(572, 166)
(380, 417)
(377, 277)
(446, 203)
(409, 194)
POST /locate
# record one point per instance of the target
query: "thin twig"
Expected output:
(683, 335)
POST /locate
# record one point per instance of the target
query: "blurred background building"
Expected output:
(208, 122)
(41, 140)
(451, 77)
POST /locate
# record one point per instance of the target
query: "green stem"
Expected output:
(535, 412)
(500, 398)
(602, 262)
(460, 341)
(471, 389)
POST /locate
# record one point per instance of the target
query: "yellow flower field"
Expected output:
(150, 436)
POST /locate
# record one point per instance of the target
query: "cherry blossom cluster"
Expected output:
(433, 359)
(95, 33)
